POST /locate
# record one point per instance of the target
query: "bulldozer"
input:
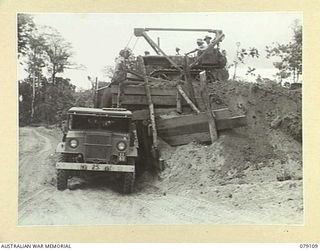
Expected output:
(151, 85)
(169, 67)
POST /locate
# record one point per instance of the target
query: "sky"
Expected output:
(98, 38)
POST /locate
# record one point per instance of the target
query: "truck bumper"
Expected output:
(95, 167)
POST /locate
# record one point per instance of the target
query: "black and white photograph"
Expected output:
(160, 118)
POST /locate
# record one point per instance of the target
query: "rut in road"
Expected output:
(98, 202)
(36, 170)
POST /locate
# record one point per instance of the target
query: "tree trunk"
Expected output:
(33, 95)
(235, 71)
(54, 74)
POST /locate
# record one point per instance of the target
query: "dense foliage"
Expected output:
(45, 96)
(289, 55)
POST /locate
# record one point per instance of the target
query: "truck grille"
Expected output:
(98, 139)
(98, 147)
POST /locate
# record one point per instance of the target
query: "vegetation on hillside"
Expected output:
(289, 56)
(45, 96)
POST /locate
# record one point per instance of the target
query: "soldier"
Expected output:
(207, 39)
(177, 51)
(120, 69)
(200, 49)
(123, 63)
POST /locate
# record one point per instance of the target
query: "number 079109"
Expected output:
(308, 246)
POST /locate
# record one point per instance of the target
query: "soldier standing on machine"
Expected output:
(123, 63)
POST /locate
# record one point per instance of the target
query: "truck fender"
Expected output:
(61, 147)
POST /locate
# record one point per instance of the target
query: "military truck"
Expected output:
(98, 141)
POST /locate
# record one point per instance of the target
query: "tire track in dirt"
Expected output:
(40, 203)
(34, 177)
(190, 210)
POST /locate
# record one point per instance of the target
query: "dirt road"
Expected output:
(97, 202)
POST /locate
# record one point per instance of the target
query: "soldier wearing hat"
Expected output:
(207, 39)
(201, 47)
(123, 63)
(177, 51)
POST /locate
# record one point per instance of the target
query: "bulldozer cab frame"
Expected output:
(142, 32)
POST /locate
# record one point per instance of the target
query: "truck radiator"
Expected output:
(98, 148)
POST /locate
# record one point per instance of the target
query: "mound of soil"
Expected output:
(268, 149)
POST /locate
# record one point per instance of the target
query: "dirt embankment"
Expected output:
(265, 153)
(249, 175)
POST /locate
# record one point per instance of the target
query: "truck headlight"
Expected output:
(73, 143)
(121, 145)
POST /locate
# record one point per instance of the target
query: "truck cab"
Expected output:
(98, 141)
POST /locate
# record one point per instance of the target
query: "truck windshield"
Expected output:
(113, 124)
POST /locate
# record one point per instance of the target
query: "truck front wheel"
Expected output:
(128, 182)
(62, 179)
(62, 175)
